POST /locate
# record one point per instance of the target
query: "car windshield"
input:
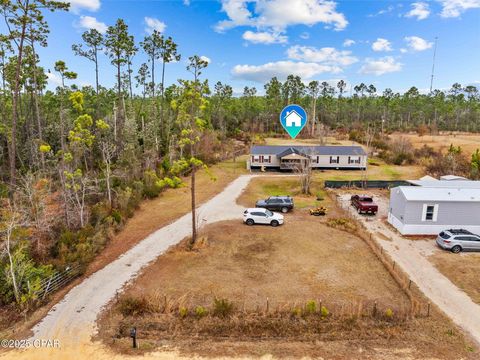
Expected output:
(366, 199)
(444, 235)
(269, 213)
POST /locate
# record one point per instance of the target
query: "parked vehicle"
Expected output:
(364, 204)
(262, 216)
(276, 203)
(457, 240)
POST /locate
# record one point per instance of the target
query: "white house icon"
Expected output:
(293, 119)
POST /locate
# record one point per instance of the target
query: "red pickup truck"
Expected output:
(364, 204)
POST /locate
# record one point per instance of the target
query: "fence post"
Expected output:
(394, 265)
(428, 309)
(409, 284)
(374, 313)
(267, 305)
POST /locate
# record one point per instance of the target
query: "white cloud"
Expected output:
(454, 8)
(382, 45)
(348, 42)
(326, 55)
(416, 43)
(54, 79)
(281, 69)
(89, 22)
(403, 50)
(380, 66)
(152, 24)
(263, 37)
(205, 58)
(279, 14)
(420, 10)
(186, 2)
(90, 5)
(389, 9)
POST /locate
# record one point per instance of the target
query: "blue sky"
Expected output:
(386, 43)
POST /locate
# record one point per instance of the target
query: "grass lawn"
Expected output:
(265, 186)
(462, 269)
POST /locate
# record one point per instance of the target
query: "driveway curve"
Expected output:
(72, 320)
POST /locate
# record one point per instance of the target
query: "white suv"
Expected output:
(262, 216)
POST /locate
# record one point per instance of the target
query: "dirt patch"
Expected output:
(462, 269)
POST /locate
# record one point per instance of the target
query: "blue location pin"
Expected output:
(293, 119)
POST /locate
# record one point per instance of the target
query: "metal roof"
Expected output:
(447, 184)
(308, 150)
(416, 193)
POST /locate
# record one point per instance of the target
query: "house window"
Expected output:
(355, 160)
(314, 159)
(265, 158)
(255, 159)
(430, 212)
(334, 159)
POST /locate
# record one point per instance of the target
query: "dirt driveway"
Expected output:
(412, 256)
(73, 319)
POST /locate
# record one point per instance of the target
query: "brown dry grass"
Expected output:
(304, 259)
(462, 269)
(468, 141)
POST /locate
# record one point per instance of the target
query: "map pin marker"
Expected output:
(293, 119)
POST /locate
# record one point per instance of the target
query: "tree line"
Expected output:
(76, 161)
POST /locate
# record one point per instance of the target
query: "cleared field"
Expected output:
(469, 142)
(289, 265)
(462, 269)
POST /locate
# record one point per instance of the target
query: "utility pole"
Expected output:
(433, 64)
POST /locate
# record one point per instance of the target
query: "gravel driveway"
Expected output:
(412, 256)
(73, 319)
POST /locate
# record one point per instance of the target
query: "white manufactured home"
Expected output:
(428, 209)
(287, 157)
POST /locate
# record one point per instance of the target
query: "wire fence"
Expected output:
(58, 280)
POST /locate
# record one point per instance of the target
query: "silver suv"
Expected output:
(457, 240)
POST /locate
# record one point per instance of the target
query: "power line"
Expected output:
(433, 64)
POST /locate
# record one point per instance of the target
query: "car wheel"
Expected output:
(359, 211)
(250, 222)
(274, 223)
(284, 210)
(456, 249)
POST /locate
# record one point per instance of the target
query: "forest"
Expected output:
(76, 162)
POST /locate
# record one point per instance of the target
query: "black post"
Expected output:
(133, 335)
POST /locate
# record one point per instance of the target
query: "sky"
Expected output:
(386, 43)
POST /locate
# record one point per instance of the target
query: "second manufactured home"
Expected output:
(288, 157)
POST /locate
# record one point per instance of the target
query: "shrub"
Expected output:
(297, 311)
(130, 306)
(222, 307)
(183, 312)
(311, 307)
(389, 313)
(152, 188)
(200, 311)
(116, 216)
(324, 311)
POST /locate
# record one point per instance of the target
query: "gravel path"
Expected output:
(412, 256)
(73, 319)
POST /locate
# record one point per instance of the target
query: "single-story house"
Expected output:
(287, 157)
(426, 209)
